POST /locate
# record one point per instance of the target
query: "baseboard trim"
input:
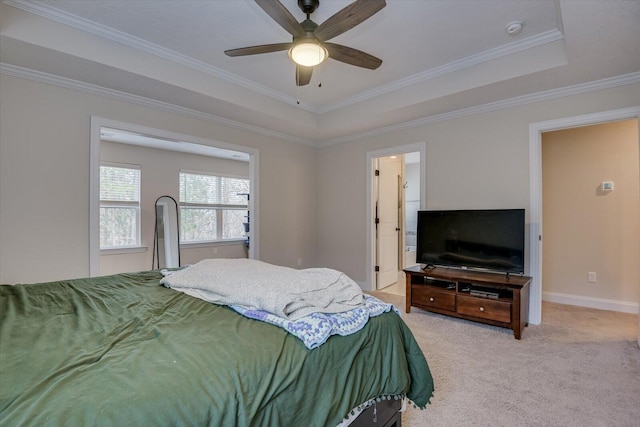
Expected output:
(591, 302)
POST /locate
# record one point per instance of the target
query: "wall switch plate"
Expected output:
(592, 277)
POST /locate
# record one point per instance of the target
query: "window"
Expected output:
(212, 207)
(119, 206)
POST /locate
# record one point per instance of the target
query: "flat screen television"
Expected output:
(489, 239)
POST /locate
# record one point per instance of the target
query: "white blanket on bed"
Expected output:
(283, 291)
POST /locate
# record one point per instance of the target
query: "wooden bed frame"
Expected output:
(385, 413)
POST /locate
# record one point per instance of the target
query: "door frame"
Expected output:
(535, 190)
(420, 147)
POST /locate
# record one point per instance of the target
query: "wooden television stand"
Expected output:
(492, 298)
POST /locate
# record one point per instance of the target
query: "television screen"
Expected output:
(484, 239)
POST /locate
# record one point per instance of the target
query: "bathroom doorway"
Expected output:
(397, 201)
(418, 160)
(411, 189)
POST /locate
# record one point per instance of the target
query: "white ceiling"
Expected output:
(439, 57)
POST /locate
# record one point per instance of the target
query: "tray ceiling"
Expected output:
(438, 57)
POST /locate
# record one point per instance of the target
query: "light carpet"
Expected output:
(581, 367)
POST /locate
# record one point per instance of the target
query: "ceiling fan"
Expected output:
(309, 46)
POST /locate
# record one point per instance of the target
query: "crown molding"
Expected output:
(44, 10)
(49, 12)
(582, 88)
(469, 61)
(40, 77)
(578, 89)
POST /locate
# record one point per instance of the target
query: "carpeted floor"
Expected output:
(581, 367)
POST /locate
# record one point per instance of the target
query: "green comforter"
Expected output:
(121, 350)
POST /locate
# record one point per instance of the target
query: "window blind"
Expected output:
(119, 184)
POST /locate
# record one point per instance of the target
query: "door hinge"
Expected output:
(377, 172)
(377, 268)
(377, 220)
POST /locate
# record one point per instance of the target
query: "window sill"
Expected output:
(123, 250)
(212, 243)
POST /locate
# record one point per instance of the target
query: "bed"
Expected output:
(123, 350)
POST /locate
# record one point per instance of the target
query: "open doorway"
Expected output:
(591, 215)
(391, 213)
(535, 191)
(159, 149)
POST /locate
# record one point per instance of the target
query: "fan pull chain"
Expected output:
(297, 85)
(318, 69)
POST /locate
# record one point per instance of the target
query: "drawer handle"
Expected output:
(431, 299)
(481, 308)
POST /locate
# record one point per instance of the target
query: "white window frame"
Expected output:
(137, 246)
(219, 209)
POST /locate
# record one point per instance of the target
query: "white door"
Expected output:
(388, 220)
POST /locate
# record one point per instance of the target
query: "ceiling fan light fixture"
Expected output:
(308, 54)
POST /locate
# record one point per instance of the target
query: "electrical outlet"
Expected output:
(592, 277)
(215, 251)
(299, 262)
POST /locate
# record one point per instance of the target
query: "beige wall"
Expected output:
(480, 161)
(312, 202)
(44, 180)
(587, 229)
(159, 177)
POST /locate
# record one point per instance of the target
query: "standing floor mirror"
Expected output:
(167, 241)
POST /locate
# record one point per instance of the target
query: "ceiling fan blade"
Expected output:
(282, 16)
(254, 50)
(352, 56)
(347, 18)
(303, 75)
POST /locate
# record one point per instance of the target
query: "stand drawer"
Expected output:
(430, 297)
(485, 308)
